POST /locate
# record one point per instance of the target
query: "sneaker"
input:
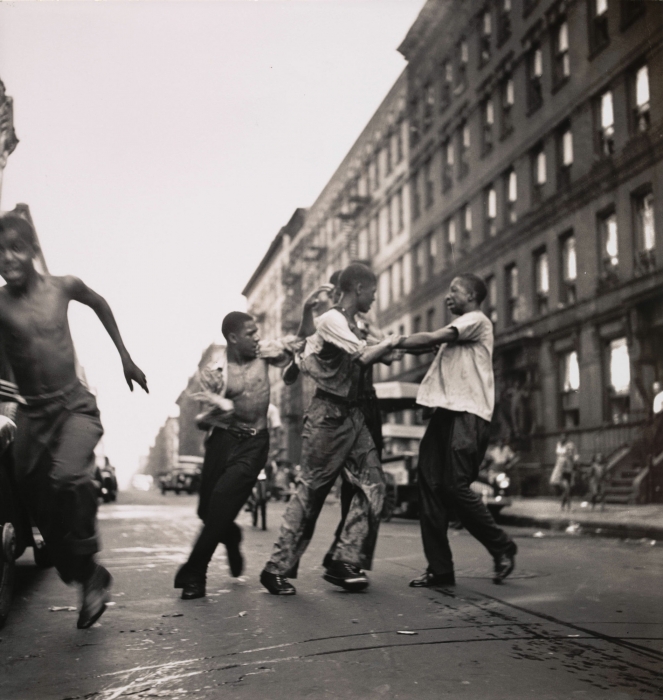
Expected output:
(430, 580)
(277, 584)
(96, 595)
(347, 576)
(504, 564)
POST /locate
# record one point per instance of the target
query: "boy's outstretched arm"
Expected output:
(448, 334)
(80, 292)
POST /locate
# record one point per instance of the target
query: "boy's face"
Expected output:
(246, 341)
(459, 297)
(16, 255)
(365, 296)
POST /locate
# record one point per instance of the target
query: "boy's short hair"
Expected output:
(476, 284)
(356, 273)
(234, 322)
(335, 276)
(14, 222)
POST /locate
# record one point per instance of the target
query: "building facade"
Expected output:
(536, 154)
(529, 142)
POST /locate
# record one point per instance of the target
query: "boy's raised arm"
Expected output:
(448, 334)
(80, 292)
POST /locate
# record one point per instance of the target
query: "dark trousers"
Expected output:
(54, 464)
(450, 454)
(230, 470)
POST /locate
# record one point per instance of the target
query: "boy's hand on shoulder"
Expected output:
(133, 373)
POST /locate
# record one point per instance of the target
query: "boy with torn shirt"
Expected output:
(58, 422)
(335, 440)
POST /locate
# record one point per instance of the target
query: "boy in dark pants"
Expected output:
(58, 422)
(459, 385)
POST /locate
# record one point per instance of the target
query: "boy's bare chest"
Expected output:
(41, 315)
(245, 379)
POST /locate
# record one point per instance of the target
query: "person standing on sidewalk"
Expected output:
(58, 423)
(235, 394)
(563, 474)
(459, 386)
(335, 441)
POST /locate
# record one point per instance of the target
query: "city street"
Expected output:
(580, 618)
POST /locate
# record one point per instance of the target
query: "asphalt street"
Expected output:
(581, 617)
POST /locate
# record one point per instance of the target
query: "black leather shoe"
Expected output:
(347, 576)
(276, 584)
(430, 580)
(193, 588)
(235, 558)
(96, 595)
(505, 563)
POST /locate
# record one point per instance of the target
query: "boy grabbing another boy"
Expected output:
(459, 386)
(58, 423)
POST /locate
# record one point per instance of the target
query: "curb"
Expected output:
(633, 531)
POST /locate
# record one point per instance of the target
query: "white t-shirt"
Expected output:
(461, 376)
(658, 402)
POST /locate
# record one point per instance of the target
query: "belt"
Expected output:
(335, 398)
(240, 432)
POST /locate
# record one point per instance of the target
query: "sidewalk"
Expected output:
(634, 522)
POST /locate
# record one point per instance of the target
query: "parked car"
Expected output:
(184, 477)
(106, 478)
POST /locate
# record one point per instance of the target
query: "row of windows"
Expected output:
(604, 129)
(609, 260)
(452, 80)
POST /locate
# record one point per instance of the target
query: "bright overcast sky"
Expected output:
(163, 145)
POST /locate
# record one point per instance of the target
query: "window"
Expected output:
(630, 11)
(541, 280)
(619, 380)
(528, 6)
(511, 196)
(463, 53)
(389, 160)
(491, 298)
(608, 248)
(504, 22)
(508, 100)
(430, 319)
(464, 149)
(389, 214)
(416, 328)
(561, 60)
(450, 242)
(416, 197)
(490, 206)
(431, 247)
(512, 305)
(399, 142)
(384, 285)
(428, 184)
(539, 173)
(447, 165)
(429, 106)
(488, 119)
(398, 199)
(640, 92)
(605, 120)
(466, 219)
(362, 245)
(485, 36)
(420, 263)
(564, 155)
(598, 25)
(373, 238)
(396, 280)
(534, 76)
(570, 384)
(415, 131)
(446, 86)
(569, 268)
(376, 171)
(645, 232)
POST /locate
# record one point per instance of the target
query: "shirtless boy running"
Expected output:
(58, 422)
(235, 395)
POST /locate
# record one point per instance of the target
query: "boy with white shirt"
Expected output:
(459, 386)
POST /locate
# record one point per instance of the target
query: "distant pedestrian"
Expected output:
(564, 471)
(596, 481)
(58, 422)
(459, 386)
